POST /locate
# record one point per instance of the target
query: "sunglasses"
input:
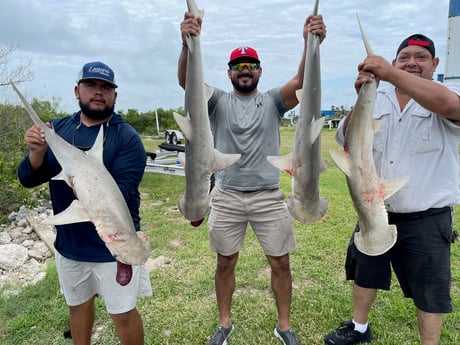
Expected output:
(249, 65)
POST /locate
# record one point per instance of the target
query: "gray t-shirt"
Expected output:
(248, 125)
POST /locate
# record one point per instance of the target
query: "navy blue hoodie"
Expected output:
(124, 157)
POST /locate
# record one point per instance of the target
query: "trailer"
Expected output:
(165, 160)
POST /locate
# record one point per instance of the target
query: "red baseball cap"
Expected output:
(243, 52)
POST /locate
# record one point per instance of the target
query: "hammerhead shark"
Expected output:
(305, 163)
(201, 158)
(367, 190)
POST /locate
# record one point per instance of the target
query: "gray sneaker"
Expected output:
(221, 335)
(288, 337)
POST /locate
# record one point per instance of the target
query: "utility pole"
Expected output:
(452, 65)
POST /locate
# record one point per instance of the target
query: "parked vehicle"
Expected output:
(173, 137)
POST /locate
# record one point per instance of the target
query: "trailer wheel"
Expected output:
(174, 140)
(167, 138)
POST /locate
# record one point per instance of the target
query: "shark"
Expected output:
(367, 190)
(305, 164)
(99, 199)
(201, 158)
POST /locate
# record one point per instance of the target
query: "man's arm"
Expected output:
(32, 171)
(191, 25)
(315, 25)
(430, 95)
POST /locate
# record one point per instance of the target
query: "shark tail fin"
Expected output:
(27, 105)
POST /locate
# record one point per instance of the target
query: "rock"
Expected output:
(23, 255)
(4, 237)
(12, 256)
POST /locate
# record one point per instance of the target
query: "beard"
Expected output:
(96, 114)
(246, 88)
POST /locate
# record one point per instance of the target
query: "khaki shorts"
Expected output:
(80, 281)
(264, 210)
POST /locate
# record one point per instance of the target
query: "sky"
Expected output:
(141, 41)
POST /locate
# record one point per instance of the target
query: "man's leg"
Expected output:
(357, 332)
(129, 327)
(429, 326)
(225, 285)
(363, 299)
(81, 322)
(281, 283)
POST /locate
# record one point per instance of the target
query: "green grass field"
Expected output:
(182, 309)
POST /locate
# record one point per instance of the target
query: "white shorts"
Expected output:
(80, 281)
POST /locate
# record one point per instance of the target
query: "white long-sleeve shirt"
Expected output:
(416, 143)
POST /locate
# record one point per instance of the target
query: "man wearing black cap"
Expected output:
(247, 121)
(418, 137)
(85, 267)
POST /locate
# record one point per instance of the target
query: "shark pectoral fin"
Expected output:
(62, 177)
(223, 160)
(97, 149)
(283, 163)
(342, 161)
(316, 128)
(184, 124)
(75, 213)
(298, 94)
(208, 91)
(390, 187)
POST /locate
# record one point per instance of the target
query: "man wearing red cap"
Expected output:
(418, 137)
(247, 121)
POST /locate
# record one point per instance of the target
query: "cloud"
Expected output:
(141, 41)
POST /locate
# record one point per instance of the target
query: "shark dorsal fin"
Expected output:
(97, 149)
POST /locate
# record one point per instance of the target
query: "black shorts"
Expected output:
(420, 259)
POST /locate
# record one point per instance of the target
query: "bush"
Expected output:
(15, 123)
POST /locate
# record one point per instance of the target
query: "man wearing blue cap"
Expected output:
(418, 137)
(85, 267)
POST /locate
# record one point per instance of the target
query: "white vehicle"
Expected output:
(173, 136)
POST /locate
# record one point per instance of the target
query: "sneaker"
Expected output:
(345, 334)
(221, 335)
(288, 337)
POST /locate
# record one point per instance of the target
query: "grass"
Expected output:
(182, 309)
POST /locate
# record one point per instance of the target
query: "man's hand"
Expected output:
(191, 25)
(315, 25)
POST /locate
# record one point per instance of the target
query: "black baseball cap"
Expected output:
(418, 40)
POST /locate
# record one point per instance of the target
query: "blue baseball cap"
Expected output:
(97, 70)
